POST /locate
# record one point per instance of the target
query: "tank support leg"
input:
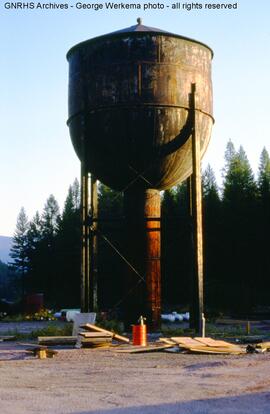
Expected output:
(89, 241)
(93, 245)
(142, 211)
(85, 239)
(197, 317)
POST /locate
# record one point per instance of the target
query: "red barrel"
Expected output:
(139, 335)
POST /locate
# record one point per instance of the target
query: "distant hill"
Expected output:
(5, 245)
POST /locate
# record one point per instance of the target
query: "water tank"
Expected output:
(129, 105)
(130, 122)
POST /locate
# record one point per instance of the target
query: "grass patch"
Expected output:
(169, 331)
(233, 331)
(111, 325)
(18, 335)
(53, 330)
(13, 318)
(211, 330)
(42, 315)
(49, 330)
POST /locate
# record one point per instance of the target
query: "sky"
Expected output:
(37, 158)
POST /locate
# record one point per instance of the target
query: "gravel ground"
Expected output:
(105, 382)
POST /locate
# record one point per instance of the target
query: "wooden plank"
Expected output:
(185, 341)
(202, 344)
(142, 349)
(96, 340)
(57, 340)
(7, 338)
(264, 345)
(95, 328)
(213, 342)
(95, 335)
(167, 341)
(93, 345)
(31, 345)
(216, 350)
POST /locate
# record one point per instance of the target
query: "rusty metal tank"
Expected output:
(129, 105)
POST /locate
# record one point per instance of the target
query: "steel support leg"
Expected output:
(142, 211)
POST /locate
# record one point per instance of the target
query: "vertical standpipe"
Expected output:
(142, 278)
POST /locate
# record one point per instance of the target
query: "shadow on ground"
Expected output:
(257, 403)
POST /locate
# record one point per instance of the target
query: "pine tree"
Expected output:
(47, 254)
(34, 237)
(50, 218)
(169, 225)
(76, 194)
(3, 279)
(263, 226)
(53, 249)
(211, 233)
(175, 245)
(110, 202)
(168, 203)
(209, 185)
(72, 202)
(239, 182)
(230, 154)
(34, 231)
(7, 290)
(68, 247)
(239, 234)
(18, 250)
(264, 176)
(110, 266)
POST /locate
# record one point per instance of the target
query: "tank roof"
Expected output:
(137, 29)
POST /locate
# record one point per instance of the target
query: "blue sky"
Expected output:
(37, 157)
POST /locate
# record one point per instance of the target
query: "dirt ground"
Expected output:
(105, 382)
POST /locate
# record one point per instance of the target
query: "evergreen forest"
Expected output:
(46, 249)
